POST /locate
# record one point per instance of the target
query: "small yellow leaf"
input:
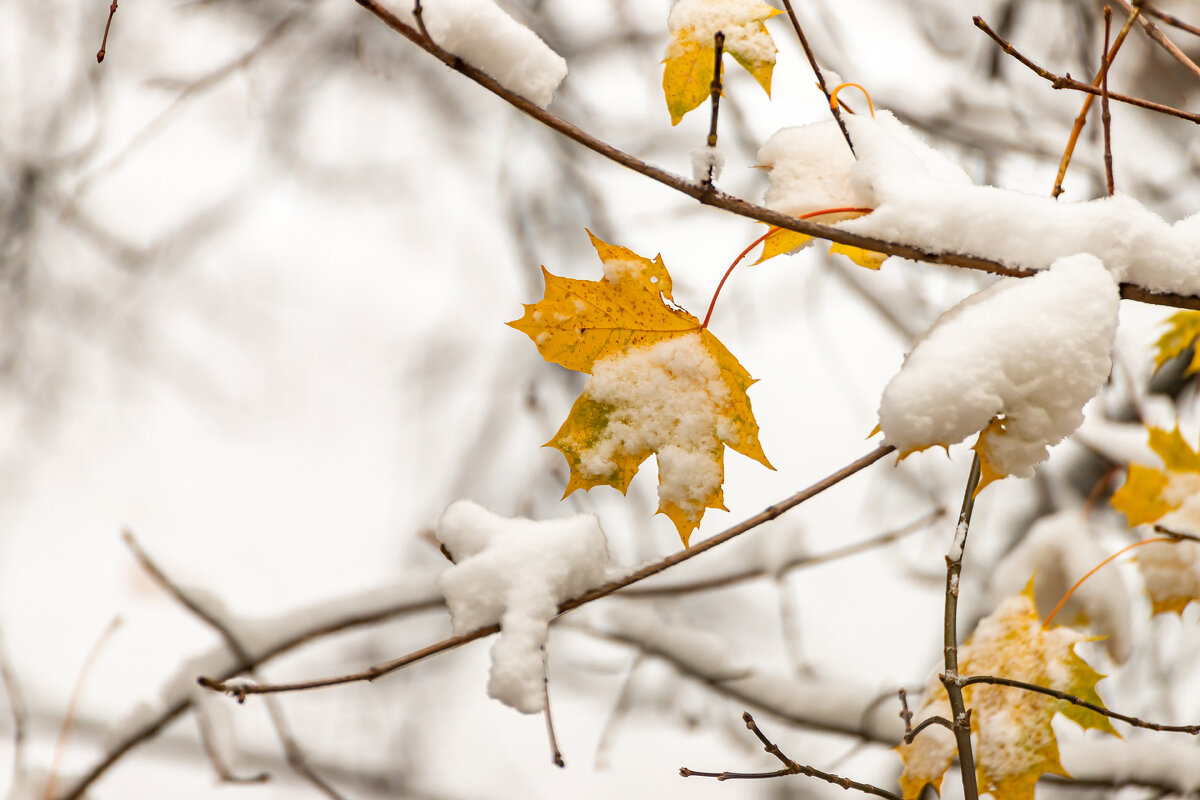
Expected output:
(660, 385)
(1183, 328)
(1149, 493)
(781, 240)
(688, 74)
(864, 258)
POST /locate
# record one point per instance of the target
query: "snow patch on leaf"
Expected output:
(516, 572)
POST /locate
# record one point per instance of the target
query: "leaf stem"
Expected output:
(1093, 570)
(773, 229)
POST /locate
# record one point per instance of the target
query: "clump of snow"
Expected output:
(922, 199)
(1030, 351)
(707, 163)
(739, 20)
(1061, 548)
(666, 398)
(516, 572)
(811, 168)
(486, 37)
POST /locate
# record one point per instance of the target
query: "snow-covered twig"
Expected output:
(789, 768)
(291, 748)
(1070, 698)
(961, 723)
(735, 205)
(242, 690)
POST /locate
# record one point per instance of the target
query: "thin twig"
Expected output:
(1105, 114)
(291, 748)
(812, 62)
(905, 713)
(1099, 82)
(555, 753)
(715, 91)
(241, 690)
(1072, 699)
(911, 735)
(1161, 39)
(961, 725)
(1165, 531)
(800, 562)
(735, 205)
(112, 10)
(20, 715)
(1067, 82)
(1170, 19)
(789, 768)
(73, 703)
(620, 709)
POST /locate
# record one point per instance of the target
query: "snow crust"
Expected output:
(739, 20)
(923, 199)
(667, 398)
(516, 572)
(486, 37)
(1061, 548)
(1032, 351)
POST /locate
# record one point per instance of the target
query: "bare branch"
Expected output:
(789, 768)
(112, 10)
(240, 690)
(1067, 82)
(812, 62)
(291, 748)
(1161, 39)
(1072, 699)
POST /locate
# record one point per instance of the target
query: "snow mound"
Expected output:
(516, 572)
(1030, 351)
(482, 34)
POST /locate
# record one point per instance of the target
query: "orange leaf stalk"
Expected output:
(712, 303)
(1093, 570)
(833, 101)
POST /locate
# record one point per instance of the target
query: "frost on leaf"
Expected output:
(1183, 328)
(688, 75)
(1015, 363)
(515, 572)
(1013, 740)
(811, 169)
(660, 384)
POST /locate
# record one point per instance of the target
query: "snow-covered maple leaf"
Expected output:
(660, 384)
(1014, 742)
(688, 74)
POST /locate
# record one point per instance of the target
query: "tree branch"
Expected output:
(241, 690)
(717, 199)
(1072, 699)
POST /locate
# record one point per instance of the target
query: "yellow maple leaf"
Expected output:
(1148, 493)
(688, 74)
(1014, 742)
(660, 385)
(1183, 328)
